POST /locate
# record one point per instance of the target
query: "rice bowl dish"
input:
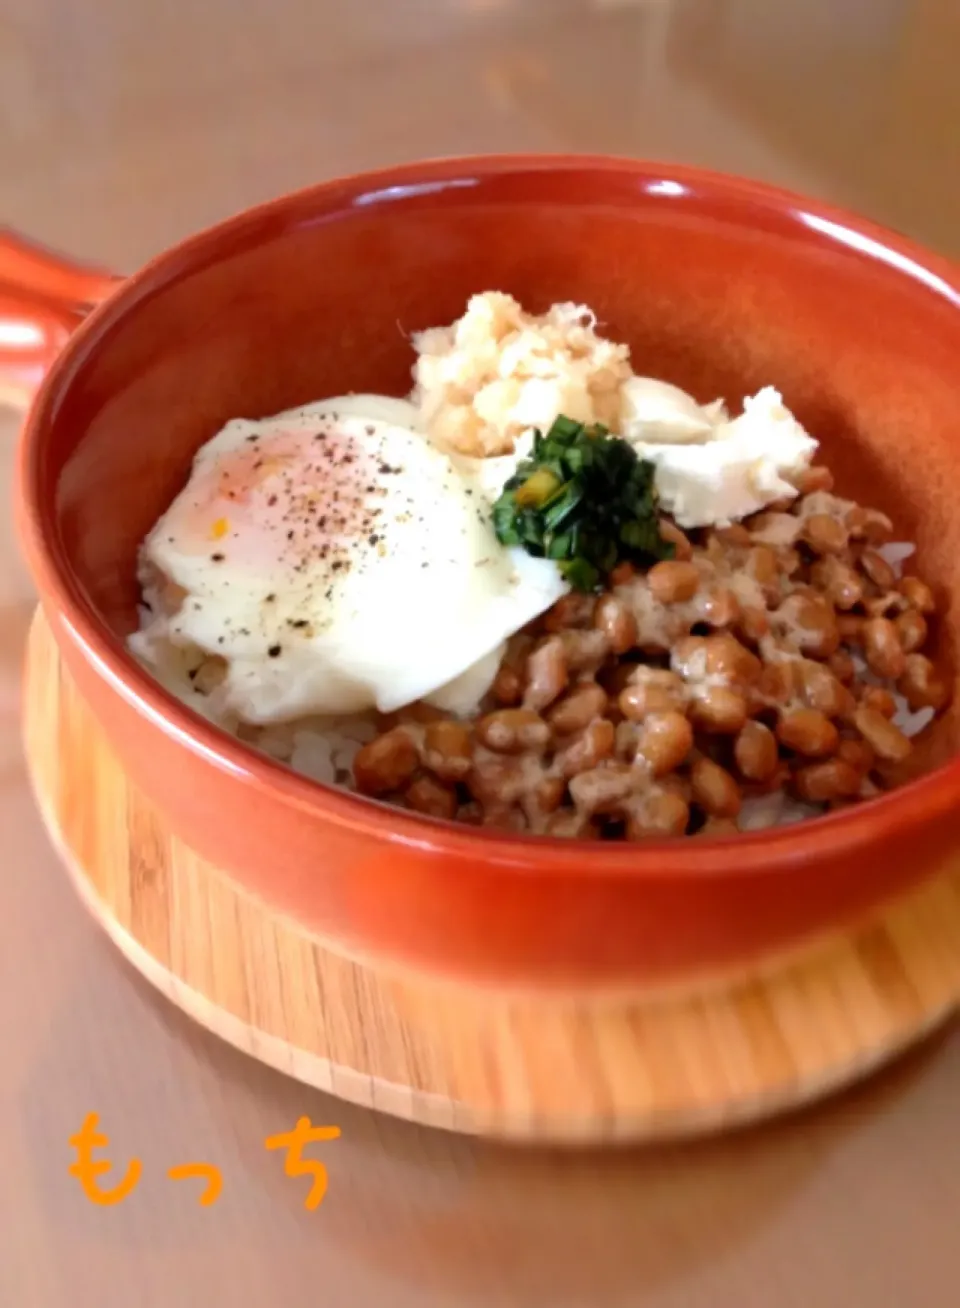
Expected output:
(543, 593)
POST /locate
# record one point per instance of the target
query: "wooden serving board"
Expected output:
(531, 1068)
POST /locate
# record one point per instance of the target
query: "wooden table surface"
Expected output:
(122, 127)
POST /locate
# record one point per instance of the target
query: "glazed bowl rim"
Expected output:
(74, 618)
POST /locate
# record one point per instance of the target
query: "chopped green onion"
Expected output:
(538, 487)
(565, 428)
(561, 506)
(585, 499)
(580, 574)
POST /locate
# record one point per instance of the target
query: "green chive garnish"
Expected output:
(585, 499)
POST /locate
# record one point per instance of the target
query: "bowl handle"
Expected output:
(43, 296)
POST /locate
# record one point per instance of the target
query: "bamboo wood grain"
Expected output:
(526, 1068)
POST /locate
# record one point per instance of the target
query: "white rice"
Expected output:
(896, 554)
(321, 748)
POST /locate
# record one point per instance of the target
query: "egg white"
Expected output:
(339, 562)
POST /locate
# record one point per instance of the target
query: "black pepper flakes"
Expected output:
(275, 651)
(217, 558)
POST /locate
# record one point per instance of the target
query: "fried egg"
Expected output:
(337, 561)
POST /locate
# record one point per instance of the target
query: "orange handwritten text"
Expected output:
(305, 1133)
(209, 1173)
(86, 1170)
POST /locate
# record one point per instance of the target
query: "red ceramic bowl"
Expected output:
(719, 285)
